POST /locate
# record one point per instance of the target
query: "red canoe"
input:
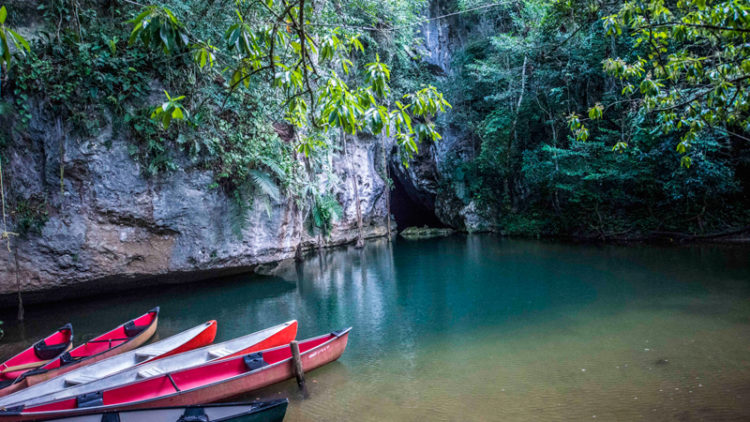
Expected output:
(198, 336)
(200, 384)
(126, 337)
(40, 353)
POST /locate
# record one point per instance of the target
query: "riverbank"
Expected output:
(732, 236)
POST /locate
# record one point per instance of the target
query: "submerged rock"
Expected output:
(418, 233)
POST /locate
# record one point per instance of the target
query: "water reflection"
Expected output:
(483, 328)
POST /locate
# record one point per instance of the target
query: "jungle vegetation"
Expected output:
(584, 117)
(599, 119)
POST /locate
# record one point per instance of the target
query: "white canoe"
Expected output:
(199, 336)
(266, 411)
(275, 336)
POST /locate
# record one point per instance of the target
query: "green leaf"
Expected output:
(177, 113)
(19, 40)
(265, 183)
(164, 35)
(165, 120)
(3, 14)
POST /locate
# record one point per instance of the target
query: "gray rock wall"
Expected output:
(427, 180)
(113, 227)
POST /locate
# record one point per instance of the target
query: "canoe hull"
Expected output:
(266, 411)
(209, 393)
(203, 339)
(252, 381)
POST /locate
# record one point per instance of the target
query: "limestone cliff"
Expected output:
(426, 181)
(112, 226)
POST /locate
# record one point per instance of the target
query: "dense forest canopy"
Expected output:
(607, 119)
(581, 117)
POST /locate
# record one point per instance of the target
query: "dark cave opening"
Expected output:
(407, 212)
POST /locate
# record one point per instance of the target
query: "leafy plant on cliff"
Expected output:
(312, 68)
(8, 37)
(324, 212)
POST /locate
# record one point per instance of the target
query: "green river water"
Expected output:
(480, 328)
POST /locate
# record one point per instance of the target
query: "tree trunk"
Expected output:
(18, 287)
(360, 238)
(513, 131)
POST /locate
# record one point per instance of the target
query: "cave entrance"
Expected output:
(408, 212)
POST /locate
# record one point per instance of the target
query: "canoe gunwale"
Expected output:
(255, 407)
(244, 409)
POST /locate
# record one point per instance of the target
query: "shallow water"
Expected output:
(483, 328)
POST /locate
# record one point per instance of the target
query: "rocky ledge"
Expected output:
(418, 233)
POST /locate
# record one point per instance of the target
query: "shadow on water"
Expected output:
(182, 306)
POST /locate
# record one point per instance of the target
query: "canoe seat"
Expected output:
(219, 352)
(94, 399)
(46, 351)
(132, 330)
(77, 379)
(254, 361)
(150, 372)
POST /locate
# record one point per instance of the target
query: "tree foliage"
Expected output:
(664, 88)
(9, 37)
(691, 69)
(312, 67)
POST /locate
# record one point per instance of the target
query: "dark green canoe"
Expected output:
(264, 411)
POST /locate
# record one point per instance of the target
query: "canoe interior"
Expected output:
(59, 340)
(185, 379)
(206, 337)
(108, 340)
(198, 336)
(270, 337)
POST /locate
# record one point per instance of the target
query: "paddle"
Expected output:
(24, 367)
(31, 365)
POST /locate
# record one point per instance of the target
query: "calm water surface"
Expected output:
(482, 328)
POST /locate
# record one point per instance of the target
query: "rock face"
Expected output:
(428, 179)
(442, 36)
(111, 226)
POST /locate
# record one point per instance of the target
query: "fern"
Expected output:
(265, 183)
(326, 209)
(273, 165)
